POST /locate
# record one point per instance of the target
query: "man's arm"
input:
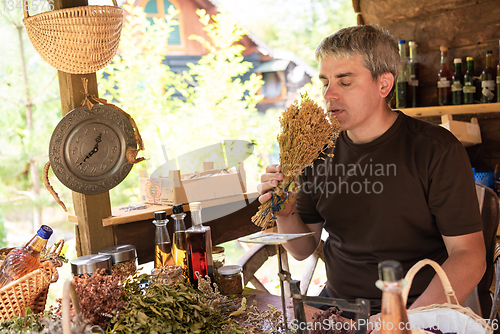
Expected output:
(464, 267)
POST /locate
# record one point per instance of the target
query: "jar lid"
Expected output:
(160, 215)
(195, 206)
(176, 209)
(217, 249)
(88, 264)
(230, 270)
(120, 253)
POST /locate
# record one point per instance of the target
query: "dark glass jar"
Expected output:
(231, 280)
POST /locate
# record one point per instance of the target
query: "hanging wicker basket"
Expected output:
(76, 40)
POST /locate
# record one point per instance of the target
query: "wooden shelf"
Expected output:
(120, 215)
(453, 110)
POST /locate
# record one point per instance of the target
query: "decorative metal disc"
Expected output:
(87, 149)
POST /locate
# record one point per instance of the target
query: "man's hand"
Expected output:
(269, 181)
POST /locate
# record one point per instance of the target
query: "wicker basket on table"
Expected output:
(76, 40)
(30, 290)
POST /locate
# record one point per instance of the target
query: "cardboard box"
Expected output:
(468, 133)
(197, 187)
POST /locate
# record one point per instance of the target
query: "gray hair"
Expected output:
(375, 45)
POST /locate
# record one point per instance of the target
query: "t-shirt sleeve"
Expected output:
(452, 193)
(306, 206)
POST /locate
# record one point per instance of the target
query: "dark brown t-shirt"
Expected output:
(390, 199)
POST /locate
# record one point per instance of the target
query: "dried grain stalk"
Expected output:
(306, 132)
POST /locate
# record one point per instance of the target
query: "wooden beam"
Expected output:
(89, 209)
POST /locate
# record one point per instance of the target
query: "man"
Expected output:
(397, 188)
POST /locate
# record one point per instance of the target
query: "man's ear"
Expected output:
(386, 81)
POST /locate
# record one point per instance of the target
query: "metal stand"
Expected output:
(284, 277)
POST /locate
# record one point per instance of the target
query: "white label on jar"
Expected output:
(486, 92)
(443, 83)
(490, 84)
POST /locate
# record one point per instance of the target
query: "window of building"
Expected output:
(159, 9)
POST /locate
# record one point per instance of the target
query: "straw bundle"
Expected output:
(306, 132)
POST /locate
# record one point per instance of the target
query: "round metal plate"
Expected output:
(87, 149)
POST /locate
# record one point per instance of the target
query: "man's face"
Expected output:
(350, 92)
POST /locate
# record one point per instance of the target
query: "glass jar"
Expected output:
(169, 274)
(219, 259)
(88, 264)
(123, 260)
(231, 280)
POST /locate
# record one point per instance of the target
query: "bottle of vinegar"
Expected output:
(402, 80)
(444, 79)
(413, 68)
(469, 88)
(23, 260)
(199, 245)
(180, 243)
(498, 75)
(488, 79)
(394, 317)
(163, 248)
(457, 83)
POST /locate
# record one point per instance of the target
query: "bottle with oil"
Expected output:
(393, 315)
(199, 245)
(23, 260)
(163, 247)
(180, 245)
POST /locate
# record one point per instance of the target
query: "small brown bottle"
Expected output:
(394, 317)
(444, 79)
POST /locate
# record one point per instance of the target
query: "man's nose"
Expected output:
(330, 93)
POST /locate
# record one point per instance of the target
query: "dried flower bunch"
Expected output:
(331, 322)
(306, 132)
(100, 296)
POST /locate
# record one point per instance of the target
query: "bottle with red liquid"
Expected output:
(444, 79)
(199, 245)
(23, 260)
(394, 317)
(163, 247)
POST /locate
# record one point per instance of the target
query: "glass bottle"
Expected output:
(402, 80)
(413, 68)
(457, 83)
(469, 88)
(199, 243)
(394, 318)
(23, 260)
(180, 243)
(163, 248)
(488, 80)
(444, 79)
(498, 75)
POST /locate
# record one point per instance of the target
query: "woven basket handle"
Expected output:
(27, 14)
(69, 292)
(451, 298)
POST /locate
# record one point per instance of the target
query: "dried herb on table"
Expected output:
(165, 308)
(306, 132)
(100, 296)
(330, 322)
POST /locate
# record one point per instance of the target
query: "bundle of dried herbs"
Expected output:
(306, 132)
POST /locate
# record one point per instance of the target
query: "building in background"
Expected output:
(283, 72)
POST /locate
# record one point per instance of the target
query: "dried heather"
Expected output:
(306, 132)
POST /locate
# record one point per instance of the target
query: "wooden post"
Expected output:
(89, 209)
